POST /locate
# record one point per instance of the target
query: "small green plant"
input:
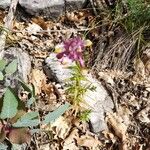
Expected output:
(137, 14)
(72, 50)
(16, 118)
(84, 115)
(76, 87)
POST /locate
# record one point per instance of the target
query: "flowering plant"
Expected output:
(72, 49)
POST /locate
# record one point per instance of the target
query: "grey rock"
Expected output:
(23, 70)
(56, 70)
(74, 4)
(98, 100)
(24, 62)
(50, 8)
(4, 3)
(46, 8)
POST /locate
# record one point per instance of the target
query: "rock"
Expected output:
(23, 70)
(98, 100)
(50, 8)
(46, 8)
(4, 3)
(56, 71)
(24, 62)
(74, 4)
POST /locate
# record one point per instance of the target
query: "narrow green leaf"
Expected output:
(30, 115)
(27, 120)
(3, 63)
(12, 67)
(1, 76)
(32, 131)
(52, 116)
(24, 85)
(26, 123)
(10, 104)
(30, 101)
(27, 87)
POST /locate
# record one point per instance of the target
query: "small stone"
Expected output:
(5, 3)
(74, 4)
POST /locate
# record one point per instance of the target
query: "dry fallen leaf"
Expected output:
(33, 29)
(139, 67)
(88, 141)
(42, 23)
(70, 143)
(19, 136)
(143, 115)
(119, 128)
(72, 17)
(147, 67)
(38, 79)
(125, 113)
(60, 127)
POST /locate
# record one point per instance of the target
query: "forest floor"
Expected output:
(127, 79)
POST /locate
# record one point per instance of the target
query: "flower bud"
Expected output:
(87, 43)
(59, 48)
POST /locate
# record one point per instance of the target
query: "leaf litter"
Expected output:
(129, 126)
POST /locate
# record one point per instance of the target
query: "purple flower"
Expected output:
(73, 48)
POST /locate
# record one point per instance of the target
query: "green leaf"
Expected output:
(1, 76)
(12, 67)
(52, 116)
(3, 63)
(10, 104)
(16, 147)
(3, 146)
(28, 88)
(33, 131)
(28, 120)
(25, 86)
(30, 115)
(30, 101)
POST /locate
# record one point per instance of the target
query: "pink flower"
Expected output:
(73, 48)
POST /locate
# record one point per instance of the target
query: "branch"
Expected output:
(7, 26)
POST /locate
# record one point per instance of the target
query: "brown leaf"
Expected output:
(47, 88)
(38, 78)
(69, 142)
(42, 23)
(88, 141)
(147, 67)
(19, 135)
(60, 127)
(139, 67)
(119, 128)
(2, 132)
(143, 115)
